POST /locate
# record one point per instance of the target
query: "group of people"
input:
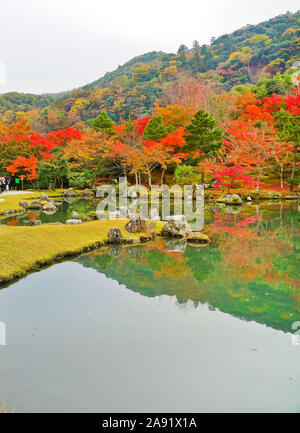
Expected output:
(6, 183)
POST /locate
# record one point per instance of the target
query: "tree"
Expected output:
(251, 142)
(232, 176)
(49, 174)
(103, 123)
(289, 131)
(155, 129)
(203, 135)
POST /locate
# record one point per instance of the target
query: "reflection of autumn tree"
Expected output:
(250, 269)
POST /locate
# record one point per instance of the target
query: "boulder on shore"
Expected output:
(32, 223)
(231, 199)
(23, 204)
(74, 215)
(114, 236)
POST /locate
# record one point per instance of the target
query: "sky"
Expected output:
(57, 45)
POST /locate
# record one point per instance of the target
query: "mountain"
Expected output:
(245, 57)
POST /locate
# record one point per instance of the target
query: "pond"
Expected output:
(63, 213)
(165, 326)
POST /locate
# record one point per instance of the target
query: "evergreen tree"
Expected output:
(155, 129)
(103, 123)
(203, 135)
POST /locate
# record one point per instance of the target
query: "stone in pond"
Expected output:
(176, 230)
(70, 193)
(198, 238)
(50, 207)
(232, 199)
(44, 197)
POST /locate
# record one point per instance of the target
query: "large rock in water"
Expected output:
(35, 205)
(44, 197)
(114, 236)
(70, 193)
(176, 230)
(23, 204)
(136, 224)
(50, 207)
(198, 238)
(231, 199)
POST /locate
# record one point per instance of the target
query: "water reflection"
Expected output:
(250, 269)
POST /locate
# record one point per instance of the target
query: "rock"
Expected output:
(44, 197)
(114, 236)
(74, 215)
(136, 224)
(50, 207)
(9, 212)
(70, 193)
(56, 223)
(198, 238)
(23, 204)
(249, 198)
(176, 230)
(154, 215)
(232, 199)
(88, 192)
(73, 222)
(32, 223)
(35, 205)
(181, 219)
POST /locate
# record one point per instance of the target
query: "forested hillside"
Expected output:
(258, 57)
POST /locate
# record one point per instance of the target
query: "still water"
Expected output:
(162, 327)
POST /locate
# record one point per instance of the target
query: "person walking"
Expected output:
(17, 182)
(2, 183)
(7, 183)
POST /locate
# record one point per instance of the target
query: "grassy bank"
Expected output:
(25, 249)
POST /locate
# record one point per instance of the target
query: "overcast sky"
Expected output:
(55, 45)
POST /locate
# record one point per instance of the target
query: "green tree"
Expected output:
(103, 123)
(203, 135)
(53, 173)
(289, 130)
(155, 129)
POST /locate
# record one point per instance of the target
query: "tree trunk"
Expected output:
(281, 177)
(162, 176)
(260, 171)
(293, 176)
(149, 178)
(202, 177)
(136, 179)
